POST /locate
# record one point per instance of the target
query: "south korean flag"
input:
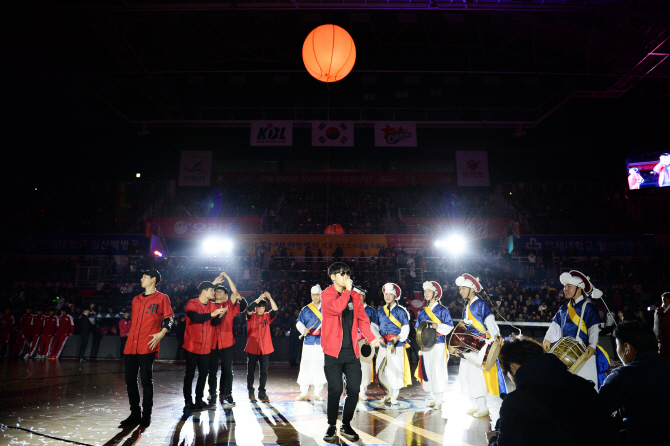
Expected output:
(332, 134)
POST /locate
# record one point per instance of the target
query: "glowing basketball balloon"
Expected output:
(329, 53)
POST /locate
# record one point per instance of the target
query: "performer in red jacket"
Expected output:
(25, 332)
(343, 315)
(63, 333)
(35, 334)
(201, 314)
(153, 319)
(49, 327)
(259, 343)
(223, 342)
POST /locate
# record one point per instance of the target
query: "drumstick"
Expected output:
(308, 330)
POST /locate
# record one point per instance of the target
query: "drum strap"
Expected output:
(579, 322)
(435, 320)
(317, 313)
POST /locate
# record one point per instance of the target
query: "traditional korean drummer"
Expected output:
(579, 312)
(432, 368)
(366, 353)
(483, 387)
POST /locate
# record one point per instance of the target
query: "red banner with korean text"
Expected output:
(353, 179)
(192, 227)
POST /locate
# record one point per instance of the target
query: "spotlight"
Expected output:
(157, 253)
(137, 175)
(454, 244)
(217, 245)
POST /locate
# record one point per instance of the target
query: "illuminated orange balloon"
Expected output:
(329, 53)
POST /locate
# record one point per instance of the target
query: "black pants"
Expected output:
(251, 370)
(144, 365)
(193, 361)
(225, 356)
(123, 340)
(348, 364)
(294, 348)
(84, 343)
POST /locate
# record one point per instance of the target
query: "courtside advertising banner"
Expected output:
(472, 168)
(271, 133)
(195, 168)
(332, 133)
(395, 134)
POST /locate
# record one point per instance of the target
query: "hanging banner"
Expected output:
(332, 134)
(195, 168)
(271, 133)
(472, 168)
(395, 134)
(189, 227)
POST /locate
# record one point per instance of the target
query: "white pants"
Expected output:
(311, 366)
(435, 362)
(589, 371)
(366, 375)
(473, 385)
(394, 372)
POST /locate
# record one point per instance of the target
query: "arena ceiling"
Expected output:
(464, 63)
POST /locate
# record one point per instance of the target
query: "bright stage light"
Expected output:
(454, 244)
(217, 246)
(157, 253)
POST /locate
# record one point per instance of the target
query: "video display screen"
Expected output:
(651, 171)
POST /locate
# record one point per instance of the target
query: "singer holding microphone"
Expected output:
(343, 315)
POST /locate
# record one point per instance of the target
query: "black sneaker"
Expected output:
(228, 401)
(189, 407)
(347, 432)
(204, 405)
(146, 420)
(263, 397)
(252, 397)
(330, 433)
(134, 418)
(212, 399)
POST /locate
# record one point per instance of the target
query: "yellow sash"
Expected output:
(407, 375)
(574, 317)
(490, 376)
(316, 311)
(434, 318)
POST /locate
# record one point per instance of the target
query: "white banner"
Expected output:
(271, 133)
(395, 134)
(334, 134)
(195, 168)
(472, 168)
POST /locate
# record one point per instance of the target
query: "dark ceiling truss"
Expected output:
(464, 63)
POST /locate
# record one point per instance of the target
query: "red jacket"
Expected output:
(124, 327)
(259, 334)
(198, 335)
(38, 324)
(65, 325)
(332, 306)
(148, 314)
(222, 335)
(50, 325)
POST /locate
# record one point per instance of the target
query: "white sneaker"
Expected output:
(394, 402)
(471, 411)
(386, 399)
(431, 404)
(318, 398)
(480, 413)
(302, 398)
(437, 407)
(363, 397)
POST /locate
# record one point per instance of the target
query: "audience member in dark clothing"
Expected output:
(550, 405)
(86, 327)
(639, 391)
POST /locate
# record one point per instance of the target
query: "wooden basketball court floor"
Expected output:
(84, 402)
